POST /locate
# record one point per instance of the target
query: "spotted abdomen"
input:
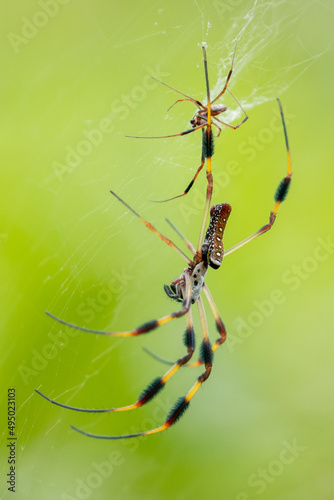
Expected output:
(212, 248)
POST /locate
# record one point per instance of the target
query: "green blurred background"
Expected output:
(76, 80)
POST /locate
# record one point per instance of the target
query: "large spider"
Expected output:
(187, 289)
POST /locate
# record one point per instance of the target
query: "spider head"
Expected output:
(197, 272)
(212, 248)
(200, 118)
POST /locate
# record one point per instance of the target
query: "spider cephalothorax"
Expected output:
(212, 255)
(196, 273)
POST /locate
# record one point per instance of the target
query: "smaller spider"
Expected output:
(200, 118)
(204, 119)
(186, 289)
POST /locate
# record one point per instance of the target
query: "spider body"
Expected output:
(196, 274)
(212, 248)
(201, 117)
(212, 254)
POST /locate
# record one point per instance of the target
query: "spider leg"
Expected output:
(182, 403)
(187, 242)
(234, 127)
(219, 325)
(146, 327)
(185, 132)
(165, 361)
(153, 388)
(207, 152)
(151, 325)
(228, 77)
(189, 98)
(152, 228)
(207, 149)
(215, 124)
(191, 182)
(280, 195)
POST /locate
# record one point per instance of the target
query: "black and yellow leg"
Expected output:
(153, 229)
(280, 195)
(191, 182)
(153, 388)
(182, 403)
(219, 325)
(146, 327)
(207, 356)
(207, 152)
(220, 328)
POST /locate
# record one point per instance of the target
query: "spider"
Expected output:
(204, 119)
(186, 289)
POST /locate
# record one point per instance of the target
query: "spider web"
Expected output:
(256, 26)
(262, 74)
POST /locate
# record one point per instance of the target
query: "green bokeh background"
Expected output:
(67, 246)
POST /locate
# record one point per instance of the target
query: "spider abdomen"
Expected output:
(216, 109)
(212, 248)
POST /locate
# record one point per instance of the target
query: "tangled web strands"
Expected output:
(264, 31)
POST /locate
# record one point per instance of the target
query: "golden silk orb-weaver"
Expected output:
(186, 289)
